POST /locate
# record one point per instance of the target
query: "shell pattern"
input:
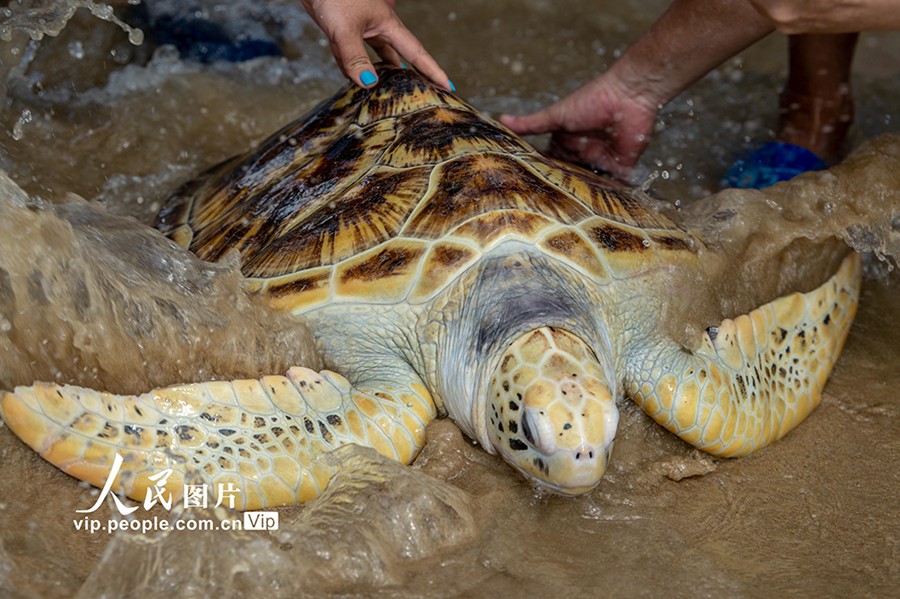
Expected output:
(388, 194)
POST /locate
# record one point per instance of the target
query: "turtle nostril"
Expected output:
(584, 453)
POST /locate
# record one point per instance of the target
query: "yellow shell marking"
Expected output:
(384, 274)
(569, 245)
(443, 262)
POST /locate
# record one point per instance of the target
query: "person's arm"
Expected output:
(349, 24)
(690, 39)
(830, 16)
(607, 122)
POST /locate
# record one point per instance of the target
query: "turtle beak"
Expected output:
(575, 467)
(579, 471)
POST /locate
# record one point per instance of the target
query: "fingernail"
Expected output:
(402, 65)
(367, 78)
(452, 87)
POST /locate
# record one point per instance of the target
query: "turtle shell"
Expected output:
(390, 193)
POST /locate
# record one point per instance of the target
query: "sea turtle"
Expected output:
(445, 268)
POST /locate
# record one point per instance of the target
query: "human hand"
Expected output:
(348, 23)
(599, 124)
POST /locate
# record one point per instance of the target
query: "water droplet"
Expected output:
(136, 37)
(18, 131)
(76, 49)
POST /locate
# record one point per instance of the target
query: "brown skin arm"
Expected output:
(830, 16)
(607, 122)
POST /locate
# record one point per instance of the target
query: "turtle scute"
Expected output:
(348, 200)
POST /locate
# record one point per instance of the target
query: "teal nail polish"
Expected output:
(402, 65)
(367, 77)
(452, 87)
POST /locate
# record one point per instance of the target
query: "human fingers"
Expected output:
(387, 53)
(353, 59)
(592, 151)
(404, 42)
(542, 121)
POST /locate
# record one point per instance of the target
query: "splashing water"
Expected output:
(18, 128)
(38, 18)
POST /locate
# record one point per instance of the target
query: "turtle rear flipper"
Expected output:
(262, 437)
(754, 378)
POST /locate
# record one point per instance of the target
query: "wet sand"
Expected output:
(815, 514)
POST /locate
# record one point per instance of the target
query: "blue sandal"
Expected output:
(770, 163)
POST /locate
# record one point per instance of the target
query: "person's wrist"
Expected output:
(631, 86)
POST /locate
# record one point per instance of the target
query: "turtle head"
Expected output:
(550, 412)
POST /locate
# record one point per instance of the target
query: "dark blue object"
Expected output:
(207, 41)
(204, 35)
(770, 163)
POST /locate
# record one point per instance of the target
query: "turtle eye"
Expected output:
(528, 428)
(538, 431)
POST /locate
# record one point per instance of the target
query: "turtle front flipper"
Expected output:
(754, 378)
(262, 437)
